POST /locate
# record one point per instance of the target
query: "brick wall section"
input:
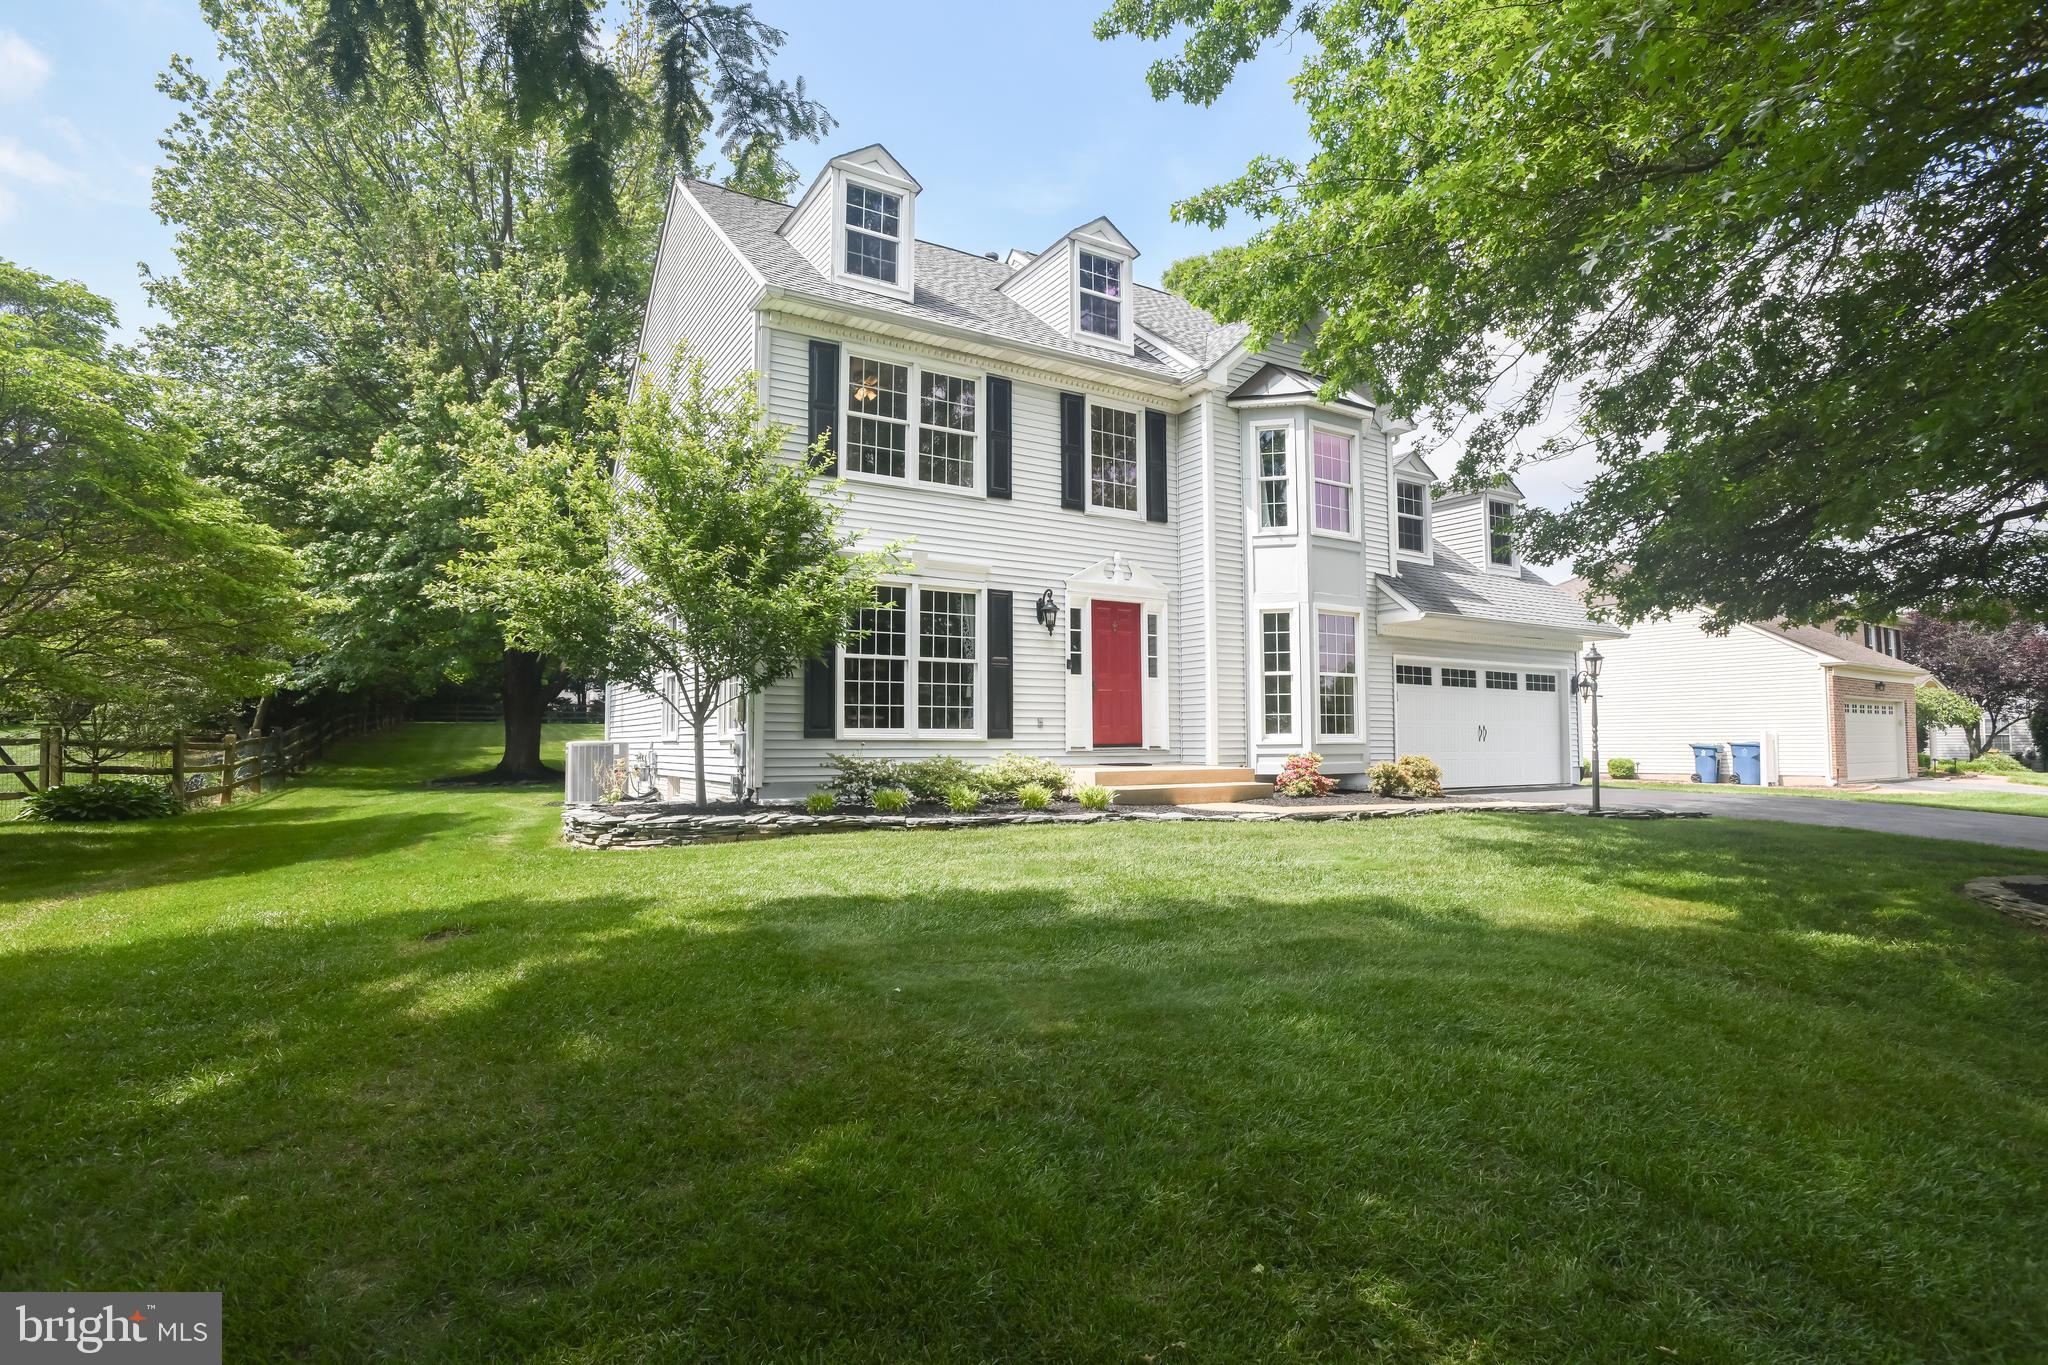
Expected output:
(1840, 690)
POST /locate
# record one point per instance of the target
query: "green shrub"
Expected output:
(1386, 779)
(1093, 797)
(1621, 769)
(1032, 796)
(820, 803)
(856, 778)
(933, 779)
(962, 799)
(891, 800)
(112, 798)
(1421, 774)
(1926, 761)
(1993, 761)
(1011, 773)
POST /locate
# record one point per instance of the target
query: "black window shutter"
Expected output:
(998, 437)
(1073, 473)
(1001, 691)
(821, 707)
(1155, 465)
(825, 404)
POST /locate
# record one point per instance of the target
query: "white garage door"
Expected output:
(1876, 735)
(1487, 727)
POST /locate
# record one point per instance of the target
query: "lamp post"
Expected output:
(1592, 677)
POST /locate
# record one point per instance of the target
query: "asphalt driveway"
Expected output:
(1926, 822)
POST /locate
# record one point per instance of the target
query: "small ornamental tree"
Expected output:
(700, 564)
(1934, 705)
(2002, 671)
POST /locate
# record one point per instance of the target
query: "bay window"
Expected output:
(1272, 478)
(1333, 482)
(1276, 639)
(1337, 674)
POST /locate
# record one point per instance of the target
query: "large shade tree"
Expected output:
(1780, 265)
(123, 579)
(359, 277)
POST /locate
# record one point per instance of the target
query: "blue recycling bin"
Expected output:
(1749, 763)
(1706, 762)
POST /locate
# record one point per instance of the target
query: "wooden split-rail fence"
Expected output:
(199, 769)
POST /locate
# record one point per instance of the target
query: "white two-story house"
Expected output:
(1131, 539)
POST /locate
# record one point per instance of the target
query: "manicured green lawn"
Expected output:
(408, 1080)
(2007, 801)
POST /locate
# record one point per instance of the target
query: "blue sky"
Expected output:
(1019, 124)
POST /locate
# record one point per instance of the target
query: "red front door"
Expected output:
(1119, 682)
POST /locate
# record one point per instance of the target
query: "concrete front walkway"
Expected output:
(1926, 822)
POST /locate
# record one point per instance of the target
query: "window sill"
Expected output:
(1117, 514)
(972, 490)
(1347, 537)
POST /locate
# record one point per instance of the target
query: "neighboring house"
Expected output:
(1132, 539)
(2008, 733)
(1828, 707)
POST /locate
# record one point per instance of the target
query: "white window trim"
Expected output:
(911, 421)
(1309, 464)
(666, 698)
(1088, 407)
(1122, 340)
(906, 232)
(1287, 479)
(1491, 565)
(1293, 734)
(1428, 551)
(1357, 733)
(915, 589)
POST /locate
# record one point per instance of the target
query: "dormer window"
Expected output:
(874, 232)
(1102, 293)
(1411, 517)
(1500, 534)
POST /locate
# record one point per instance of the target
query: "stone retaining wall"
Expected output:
(661, 824)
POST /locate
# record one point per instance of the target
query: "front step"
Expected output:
(1170, 784)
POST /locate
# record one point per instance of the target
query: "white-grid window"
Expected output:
(1502, 682)
(1410, 517)
(1272, 478)
(1415, 675)
(1500, 533)
(875, 664)
(1276, 637)
(670, 694)
(1336, 673)
(1333, 480)
(1151, 644)
(1460, 677)
(946, 658)
(1112, 459)
(880, 416)
(939, 628)
(874, 232)
(1073, 640)
(877, 416)
(1102, 292)
(1540, 682)
(946, 426)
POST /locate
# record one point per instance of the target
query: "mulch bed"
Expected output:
(1333, 799)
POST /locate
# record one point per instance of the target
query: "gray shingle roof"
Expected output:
(1826, 640)
(959, 289)
(1451, 587)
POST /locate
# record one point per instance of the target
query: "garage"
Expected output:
(1874, 734)
(1487, 725)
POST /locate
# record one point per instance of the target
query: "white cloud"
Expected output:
(23, 70)
(30, 166)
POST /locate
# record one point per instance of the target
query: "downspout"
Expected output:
(1211, 732)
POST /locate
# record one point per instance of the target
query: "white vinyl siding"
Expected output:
(1670, 684)
(702, 295)
(1046, 287)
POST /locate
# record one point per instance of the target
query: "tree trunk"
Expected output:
(525, 692)
(697, 735)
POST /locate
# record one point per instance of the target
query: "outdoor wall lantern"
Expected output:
(1880, 687)
(1048, 611)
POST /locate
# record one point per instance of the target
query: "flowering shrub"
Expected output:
(1387, 779)
(1422, 776)
(1303, 776)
